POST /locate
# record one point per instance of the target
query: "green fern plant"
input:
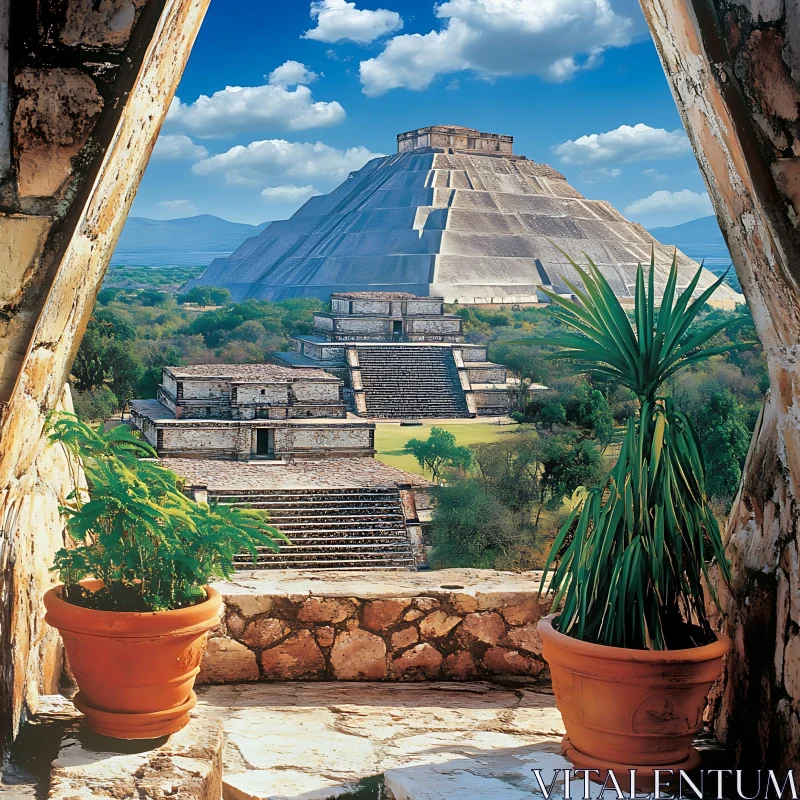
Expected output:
(628, 566)
(151, 546)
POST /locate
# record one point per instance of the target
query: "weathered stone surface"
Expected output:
(461, 666)
(438, 624)
(55, 114)
(103, 24)
(297, 657)
(431, 609)
(325, 636)
(325, 609)
(526, 638)
(188, 766)
(227, 661)
(404, 637)
(424, 660)
(264, 632)
(246, 601)
(503, 661)
(380, 614)
(285, 784)
(325, 735)
(739, 104)
(358, 655)
(485, 627)
(530, 610)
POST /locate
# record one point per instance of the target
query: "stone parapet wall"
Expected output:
(392, 626)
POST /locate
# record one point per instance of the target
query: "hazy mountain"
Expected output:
(186, 242)
(701, 239)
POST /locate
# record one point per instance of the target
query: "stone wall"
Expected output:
(85, 87)
(444, 625)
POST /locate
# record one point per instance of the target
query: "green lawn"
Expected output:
(391, 438)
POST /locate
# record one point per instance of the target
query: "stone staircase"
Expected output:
(330, 529)
(411, 382)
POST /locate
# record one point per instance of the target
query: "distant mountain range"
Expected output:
(197, 241)
(701, 239)
(186, 242)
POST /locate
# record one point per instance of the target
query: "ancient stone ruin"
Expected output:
(247, 411)
(401, 356)
(453, 214)
(309, 463)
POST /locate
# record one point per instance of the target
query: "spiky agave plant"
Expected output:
(629, 562)
(136, 531)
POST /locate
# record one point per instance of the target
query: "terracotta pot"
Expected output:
(630, 709)
(135, 671)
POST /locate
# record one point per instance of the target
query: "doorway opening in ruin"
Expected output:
(397, 330)
(265, 442)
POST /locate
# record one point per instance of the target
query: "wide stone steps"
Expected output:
(411, 382)
(330, 528)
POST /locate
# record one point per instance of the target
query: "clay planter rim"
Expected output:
(130, 624)
(686, 655)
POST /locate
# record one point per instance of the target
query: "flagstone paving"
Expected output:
(434, 741)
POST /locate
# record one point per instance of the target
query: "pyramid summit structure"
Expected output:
(454, 214)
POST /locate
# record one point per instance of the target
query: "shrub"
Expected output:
(151, 546)
(629, 563)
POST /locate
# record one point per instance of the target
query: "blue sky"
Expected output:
(280, 100)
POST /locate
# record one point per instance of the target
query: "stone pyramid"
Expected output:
(454, 213)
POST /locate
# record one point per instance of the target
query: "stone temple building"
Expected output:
(453, 214)
(401, 356)
(281, 439)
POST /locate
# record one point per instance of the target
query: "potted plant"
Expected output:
(630, 649)
(134, 606)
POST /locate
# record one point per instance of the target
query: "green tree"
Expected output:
(439, 452)
(588, 408)
(724, 437)
(566, 461)
(205, 296)
(469, 527)
(124, 369)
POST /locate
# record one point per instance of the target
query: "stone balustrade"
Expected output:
(393, 626)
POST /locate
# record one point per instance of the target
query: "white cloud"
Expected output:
(338, 20)
(654, 174)
(291, 73)
(670, 208)
(623, 144)
(551, 38)
(600, 174)
(178, 147)
(276, 162)
(236, 109)
(185, 206)
(289, 194)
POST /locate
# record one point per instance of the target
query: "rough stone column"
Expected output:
(84, 88)
(734, 69)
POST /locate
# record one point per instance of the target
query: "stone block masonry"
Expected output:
(443, 625)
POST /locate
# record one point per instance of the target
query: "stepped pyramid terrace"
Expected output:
(453, 214)
(280, 439)
(401, 356)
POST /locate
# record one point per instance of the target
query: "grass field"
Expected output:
(391, 438)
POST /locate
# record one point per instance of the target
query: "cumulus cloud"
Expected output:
(338, 20)
(289, 194)
(551, 38)
(178, 147)
(670, 208)
(626, 143)
(236, 109)
(278, 163)
(291, 73)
